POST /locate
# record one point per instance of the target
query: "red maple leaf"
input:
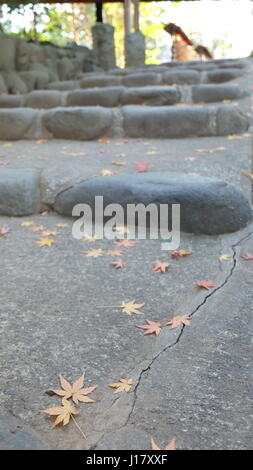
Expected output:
(151, 328)
(248, 256)
(206, 284)
(4, 231)
(141, 167)
(160, 266)
(179, 254)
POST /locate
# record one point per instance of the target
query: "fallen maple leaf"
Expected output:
(222, 147)
(170, 446)
(141, 167)
(180, 253)
(206, 284)
(124, 385)
(103, 141)
(131, 307)
(234, 137)
(107, 172)
(27, 224)
(160, 266)
(76, 391)
(37, 228)
(91, 239)
(119, 163)
(125, 243)
(178, 321)
(121, 229)
(62, 225)
(50, 233)
(205, 150)
(45, 241)
(4, 231)
(249, 175)
(41, 141)
(114, 252)
(63, 413)
(118, 263)
(248, 256)
(152, 327)
(224, 257)
(95, 253)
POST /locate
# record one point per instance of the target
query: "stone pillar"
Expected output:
(103, 45)
(134, 49)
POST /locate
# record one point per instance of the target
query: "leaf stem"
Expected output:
(78, 427)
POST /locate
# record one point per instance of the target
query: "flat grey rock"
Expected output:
(43, 99)
(212, 93)
(15, 436)
(16, 123)
(181, 77)
(77, 123)
(223, 75)
(141, 79)
(100, 81)
(151, 95)
(231, 120)
(19, 191)
(167, 122)
(208, 206)
(108, 97)
(11, 101)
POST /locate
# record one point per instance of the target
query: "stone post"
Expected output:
(134, 49)
(103, 45)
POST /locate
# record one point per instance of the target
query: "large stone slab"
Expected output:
(208, 206)
(151, 95)
(167, 122)
(16, 123)
(108, 97)
(181, 77)
(19, 191)
(212, 93)
(223, 75)
(11, 101)
(78, 123)
(14, 435)
(43, 99)
(141, 79)
(230, 120)
(100, 81)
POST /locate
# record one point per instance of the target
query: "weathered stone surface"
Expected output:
(43, 99)
(14, 435)
(14, 83)
(153, 96)
(103, 45)
(181, 77)
(108, 97)
(19, 191)
(3, 87)
(134, 49)
(42, 75)
(11, 101)
(16, 123)
(29, 78)
(8, 52)
(141, 79)
(223, 75)
(212, 93)
(208, 206)
(167, 122)
(64, 85)
(100, 81)
(231, 120)
(78, 123)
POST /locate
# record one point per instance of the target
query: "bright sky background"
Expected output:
(205, 20)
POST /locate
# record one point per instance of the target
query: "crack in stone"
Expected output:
(146, 369)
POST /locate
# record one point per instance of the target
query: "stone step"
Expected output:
(90, 122)
(207, 205)
(119, 95)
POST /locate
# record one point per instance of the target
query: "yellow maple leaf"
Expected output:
(124, 385)
(95, 253)
(45, 241)
(131, 307)
(63, 413)
(106, 173)
(76, 391)
(62, 225)
(50, 233)
(224, 257)
(248, 175)
(37, 228)
(119, 163)
(91, 239)
(27, 224)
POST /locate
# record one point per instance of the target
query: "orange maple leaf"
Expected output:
(161, 266)
(180, 253)
(152, 327)
(178, 321)
(63, 413)
(170, 446)
(124, 385)
(114, 252)
(76, 391)
(45, 242)
(95, 253)
(206, 284)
